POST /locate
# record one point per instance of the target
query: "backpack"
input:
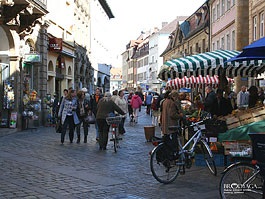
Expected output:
(154, 104)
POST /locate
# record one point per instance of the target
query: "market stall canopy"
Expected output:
(192, 81)
(204, 60)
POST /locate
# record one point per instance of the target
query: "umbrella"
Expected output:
(254, 51)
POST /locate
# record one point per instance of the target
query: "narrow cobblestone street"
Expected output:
(34, 164)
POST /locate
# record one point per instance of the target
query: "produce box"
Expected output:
(259, 115)
(238, 148)
(246, 118)
(232, 122)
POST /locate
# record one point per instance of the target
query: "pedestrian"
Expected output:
(232, 98)
(94, 103)
(121, 102)
(67, 113)
(114, 95)
(210, 99)
(105, 107)
(136, 104)
(129, 99)
(243, 98)
(55, 106)
(148, 101)
(171, 114)
(222, 106)
(83, 107)
(253, 96)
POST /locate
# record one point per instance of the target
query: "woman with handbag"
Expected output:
(67, 113)
(83, 107)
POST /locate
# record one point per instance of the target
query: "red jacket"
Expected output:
(136, 101)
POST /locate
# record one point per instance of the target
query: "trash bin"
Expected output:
(149, 132)
(258, 146)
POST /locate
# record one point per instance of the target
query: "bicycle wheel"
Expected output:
(163, 168)
(241, 180)
(208, 157)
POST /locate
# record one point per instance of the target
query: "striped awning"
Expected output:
(192, 81)
(204, 60)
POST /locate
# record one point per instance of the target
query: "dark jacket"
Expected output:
(223, 107)
(209, 102)
(94, 104)
(86, 102)
(107, 106)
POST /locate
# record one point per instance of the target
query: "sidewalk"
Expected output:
(34, 164)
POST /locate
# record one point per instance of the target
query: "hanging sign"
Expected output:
(55, 44)
(32, 57)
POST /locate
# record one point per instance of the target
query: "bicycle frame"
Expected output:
(195, 139)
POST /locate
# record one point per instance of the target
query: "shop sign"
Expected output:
(32, 57)
(55, 44)
(185, 90)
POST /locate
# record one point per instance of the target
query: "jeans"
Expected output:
(85, 126)
(69, 121)
(103, 130)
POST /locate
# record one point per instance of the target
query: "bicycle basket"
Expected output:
(113, 120)
(258, 146)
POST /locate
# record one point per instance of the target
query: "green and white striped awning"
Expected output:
(204, 60)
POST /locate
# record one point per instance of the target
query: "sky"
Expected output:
(134, 16)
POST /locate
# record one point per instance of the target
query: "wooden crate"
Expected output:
(259, 115)
(232, 122)
(246, 118)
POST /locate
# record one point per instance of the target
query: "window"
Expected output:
(233, 3)
(228, 4)
(261, 31)
(213, 48)
(217, 45)
(214, 15)
(223, 7)
(233, 40)
(228, 42)
(222, 43)
(218, 10)
(255, 28)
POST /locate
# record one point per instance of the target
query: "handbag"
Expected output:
(90, 118)
(58, 126)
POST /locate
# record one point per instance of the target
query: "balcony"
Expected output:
(21, 14)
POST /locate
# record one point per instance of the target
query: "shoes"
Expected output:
(71, 141)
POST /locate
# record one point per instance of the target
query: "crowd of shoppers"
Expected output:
(74, 107)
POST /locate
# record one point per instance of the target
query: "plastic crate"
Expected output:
(218, 158)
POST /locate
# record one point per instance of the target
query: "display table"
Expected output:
(241, 132)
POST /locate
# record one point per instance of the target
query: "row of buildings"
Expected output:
(224, 25)
(45, 47)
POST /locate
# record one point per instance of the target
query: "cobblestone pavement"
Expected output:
(34, 164)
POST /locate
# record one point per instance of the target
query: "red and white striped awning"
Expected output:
(192, 81)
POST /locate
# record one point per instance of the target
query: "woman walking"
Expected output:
(105, 107)
(136, 104)
(121, 102)
(67, 113)
(83, 106)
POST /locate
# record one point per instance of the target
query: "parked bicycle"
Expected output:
(169, 157)
(246, 179)
(114, 124)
